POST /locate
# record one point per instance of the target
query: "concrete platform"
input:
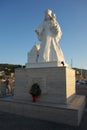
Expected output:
(70, 114)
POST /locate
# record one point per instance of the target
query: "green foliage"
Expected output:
(8, 68)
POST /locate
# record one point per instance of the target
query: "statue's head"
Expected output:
(48, 14)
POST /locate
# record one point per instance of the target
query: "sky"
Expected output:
(19, 19)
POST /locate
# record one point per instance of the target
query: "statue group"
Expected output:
(49, 33)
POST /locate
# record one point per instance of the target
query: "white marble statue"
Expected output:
(49, 34)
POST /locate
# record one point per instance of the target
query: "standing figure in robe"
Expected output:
(49, 34)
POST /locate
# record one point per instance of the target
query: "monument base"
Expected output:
(68, 114)
(57, 83)
(57, 102)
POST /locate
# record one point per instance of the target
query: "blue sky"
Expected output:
(19, 18)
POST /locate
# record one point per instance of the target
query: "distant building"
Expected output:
(2, 73)
(81, 73)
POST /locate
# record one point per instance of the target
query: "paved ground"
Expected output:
(15, 122)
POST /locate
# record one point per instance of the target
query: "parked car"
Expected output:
(78, 82)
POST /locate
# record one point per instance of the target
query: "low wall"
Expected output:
(81, 89)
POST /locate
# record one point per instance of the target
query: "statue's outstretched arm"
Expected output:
(39, 31)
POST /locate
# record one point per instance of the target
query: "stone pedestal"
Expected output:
(57, 83)
(58, 101)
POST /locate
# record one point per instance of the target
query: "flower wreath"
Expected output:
(35, 90)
